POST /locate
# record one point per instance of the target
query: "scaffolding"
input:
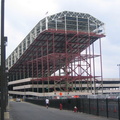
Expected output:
(59, 54)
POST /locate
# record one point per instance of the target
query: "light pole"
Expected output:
(3, 80)
(2, 63)
(119, 72)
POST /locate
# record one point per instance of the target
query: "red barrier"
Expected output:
(61, 106)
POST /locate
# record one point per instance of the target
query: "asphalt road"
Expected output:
(28, 111)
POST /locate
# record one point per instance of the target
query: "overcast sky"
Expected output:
(22, 15)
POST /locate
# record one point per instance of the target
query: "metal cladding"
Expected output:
(59, 52)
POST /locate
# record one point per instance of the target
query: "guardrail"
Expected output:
(109, 108)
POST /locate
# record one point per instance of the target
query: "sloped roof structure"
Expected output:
(66, 20)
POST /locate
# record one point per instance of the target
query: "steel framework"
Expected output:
(62, 56)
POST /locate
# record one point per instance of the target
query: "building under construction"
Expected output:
(58, 57)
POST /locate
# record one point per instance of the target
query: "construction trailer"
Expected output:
(62, 53)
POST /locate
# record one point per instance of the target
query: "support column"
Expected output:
(42, 70)
(48, 70)
(101, 65)
(94, 81)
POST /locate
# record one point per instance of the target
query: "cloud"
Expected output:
(111, 57)
(14, 37)
(31, 9)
